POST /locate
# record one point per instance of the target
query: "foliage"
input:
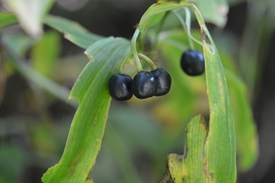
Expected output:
(209, 148)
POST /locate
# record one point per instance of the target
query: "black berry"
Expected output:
(144, 85)
(120, 87)
(192, 62)
(163, 80)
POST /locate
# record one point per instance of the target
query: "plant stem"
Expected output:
(159, 28)
(204, 30)
(191, 44)
(152, 64)
(134, 50)
(124, 62)
(187, 28)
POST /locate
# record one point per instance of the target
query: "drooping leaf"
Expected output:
(247, 139)
(214, 11)
(7, 19)
(30, 14)
(87, 129)
(186, 92)
(172, 44)
(156, 11)
(219, 154)
(45, 53)
(72, 31)
(220, 146)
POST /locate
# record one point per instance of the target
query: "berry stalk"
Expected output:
(152, 64)
(134, 49)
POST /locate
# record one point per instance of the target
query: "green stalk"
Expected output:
(191, 44)
(124, 62)
(190, 37)
(152, 64)
(159, 28)
(134, 49)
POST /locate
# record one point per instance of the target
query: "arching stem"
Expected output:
(124, 62)
(152, 64)
(191, 44)
(134, 50)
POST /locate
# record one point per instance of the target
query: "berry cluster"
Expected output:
(192, 62)
(144, 85)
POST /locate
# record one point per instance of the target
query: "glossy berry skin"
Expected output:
(120, 87)
(192, 62)
(144, 85)
(163, 80)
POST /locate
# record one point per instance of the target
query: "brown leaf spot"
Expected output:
(75, 162)
(90, 179)
(183, 180)
(205, 168)
(212, 177)
(90, 57)
(203, 34)
(95, 120)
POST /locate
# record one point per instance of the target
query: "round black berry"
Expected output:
(192, 62)
(163, 80)
(120, 87)
(144, 85)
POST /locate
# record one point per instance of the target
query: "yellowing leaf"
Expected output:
(192, 165)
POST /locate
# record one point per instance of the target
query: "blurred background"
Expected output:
(34, 124)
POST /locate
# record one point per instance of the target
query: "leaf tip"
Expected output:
(90, 57)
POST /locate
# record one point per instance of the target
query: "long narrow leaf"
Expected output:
(218, 157)
(87, 129)
(72, 31)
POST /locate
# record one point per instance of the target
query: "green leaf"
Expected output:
(186, 92)
(45, 53)
(7, 19)
(214, 11)
(247, 139)
(87, 129)
(72, 31)
(190, 166)
(220, 147)
(172, 44)
(30, 13)
(244, 124)
(155, 13)
(217, 158)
